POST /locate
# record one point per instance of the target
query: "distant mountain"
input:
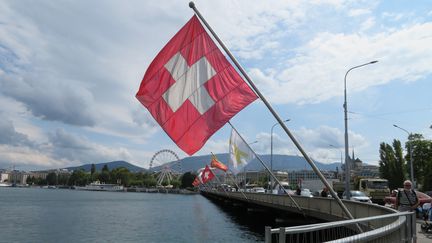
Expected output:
(111, 165)
(280, 162)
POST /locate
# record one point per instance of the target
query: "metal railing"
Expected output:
(396, 227)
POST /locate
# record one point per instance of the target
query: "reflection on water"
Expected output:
(44, 215)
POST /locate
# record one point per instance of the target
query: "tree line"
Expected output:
(395, 167)
(120, 176)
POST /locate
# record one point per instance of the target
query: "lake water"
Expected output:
(61, 215)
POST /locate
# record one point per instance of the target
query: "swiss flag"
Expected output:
(207, 175)
(196, 182)
(191, 89)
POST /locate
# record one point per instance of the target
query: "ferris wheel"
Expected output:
(166, 164)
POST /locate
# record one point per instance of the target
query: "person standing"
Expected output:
(407, 201)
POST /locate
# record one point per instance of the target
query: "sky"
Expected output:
(69, 72)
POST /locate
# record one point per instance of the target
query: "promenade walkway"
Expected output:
(422, 237)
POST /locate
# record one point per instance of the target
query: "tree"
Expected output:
(79, 178)
(422, 159)
(105, 174)
(187, 179)
(120, 175)
(392, 164)
(93, 169)
(51, 178)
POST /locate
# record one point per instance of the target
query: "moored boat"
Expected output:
(97, 186)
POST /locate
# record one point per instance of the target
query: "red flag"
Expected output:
(191, 89)
(196, 182)
(207, 175)
(215, 163)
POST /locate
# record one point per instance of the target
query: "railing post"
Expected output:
(282, 236)
(268, 234)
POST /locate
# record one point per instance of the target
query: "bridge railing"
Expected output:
(401, 229)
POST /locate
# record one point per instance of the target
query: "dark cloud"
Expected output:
(9, 136)
(51, 100)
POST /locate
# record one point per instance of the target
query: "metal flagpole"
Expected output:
(271, 172)
(232, 179)
(238, 188)
(219, 182)
(276, 116)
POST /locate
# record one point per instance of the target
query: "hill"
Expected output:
(280, 162)
(111, 165)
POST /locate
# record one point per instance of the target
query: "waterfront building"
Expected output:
(4, 177)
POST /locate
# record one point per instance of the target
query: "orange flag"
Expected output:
(215, 163)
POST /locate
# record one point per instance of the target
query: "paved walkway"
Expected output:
(422, 237)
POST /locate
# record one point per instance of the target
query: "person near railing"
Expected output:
(408, 201)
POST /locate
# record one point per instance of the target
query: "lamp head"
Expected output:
(373, 62)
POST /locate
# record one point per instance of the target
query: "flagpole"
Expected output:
(265, 166)
(219, 182)
(276, 116)
(232, 179)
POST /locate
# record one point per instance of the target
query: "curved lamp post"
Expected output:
(410, 152)
(271, 149)
(347, 159)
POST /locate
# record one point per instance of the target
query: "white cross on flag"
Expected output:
(191, 89)
(207, 175)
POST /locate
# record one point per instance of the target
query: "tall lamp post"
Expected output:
(410, 152)
(271, 149)
(347, 158)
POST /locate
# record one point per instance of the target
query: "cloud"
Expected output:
(9, 136)
(316, 73)
(358, 12)
(66, 146)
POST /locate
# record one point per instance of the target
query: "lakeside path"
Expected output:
(422, 237)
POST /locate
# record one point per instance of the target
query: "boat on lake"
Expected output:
(2, 184)
(97, 186)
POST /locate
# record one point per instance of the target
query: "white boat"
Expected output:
(4, 184)
(97, 186)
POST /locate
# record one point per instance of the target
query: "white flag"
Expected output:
(240, 154)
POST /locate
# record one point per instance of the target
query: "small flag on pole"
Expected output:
(215, 163)
(207, 175)
(197, 181)
(240, 153)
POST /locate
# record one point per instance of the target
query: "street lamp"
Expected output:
(347, 159)
(410, 152)
(271, 149)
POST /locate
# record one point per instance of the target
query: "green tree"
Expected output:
(121, 176)
(51, 178)
(422, 159)
(105, 174)
(93, 169)
(79, 178)
(392, 164)
(175, 182)
(187, 179)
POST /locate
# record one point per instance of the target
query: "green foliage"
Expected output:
(51, 178)
(187, 179)
(422, 160)
(79, 178)
(120, 176)
(93, 169)
(176, 183)
(392, 164)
